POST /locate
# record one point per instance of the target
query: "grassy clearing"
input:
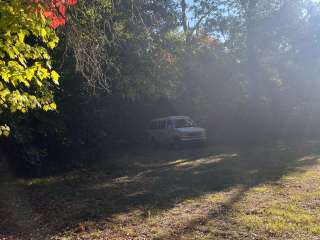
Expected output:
(291, 207)
(269, 192)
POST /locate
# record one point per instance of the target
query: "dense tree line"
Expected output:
(247, 70)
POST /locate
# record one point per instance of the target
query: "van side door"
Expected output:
(170, 130)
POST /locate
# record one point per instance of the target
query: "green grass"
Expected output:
(286, 210)
(262, 192)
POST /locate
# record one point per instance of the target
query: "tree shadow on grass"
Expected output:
(148, 181)
(216, 213)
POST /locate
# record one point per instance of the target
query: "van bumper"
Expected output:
(201, 140)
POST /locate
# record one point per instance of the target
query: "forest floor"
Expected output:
(271, 191)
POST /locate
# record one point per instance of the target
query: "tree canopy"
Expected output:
(236, 66)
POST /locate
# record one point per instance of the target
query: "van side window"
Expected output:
(162, 124)
(169, 123)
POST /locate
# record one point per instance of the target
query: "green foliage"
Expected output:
(235, 66)
(26, 74)
(123, 48)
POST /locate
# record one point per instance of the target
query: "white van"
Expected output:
(175, 130)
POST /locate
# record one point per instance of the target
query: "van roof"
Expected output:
(170, 117)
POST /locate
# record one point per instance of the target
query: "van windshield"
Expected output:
(183, 123)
